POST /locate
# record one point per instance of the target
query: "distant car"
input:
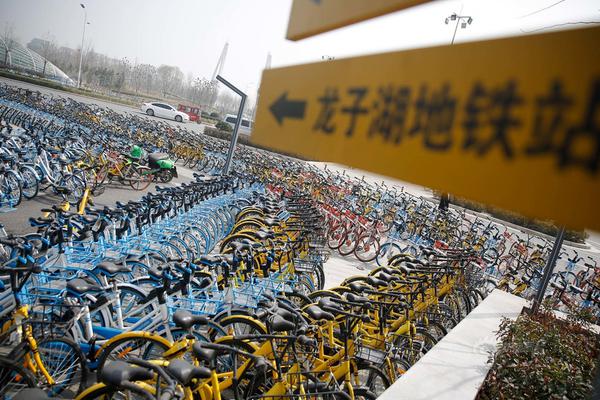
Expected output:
(245, 126)
(192, 111)
(164, 110)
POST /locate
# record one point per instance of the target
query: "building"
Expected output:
(18, 57)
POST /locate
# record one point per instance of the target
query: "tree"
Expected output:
(170, 78)
(121, 73)
(48, 50)
(9, 40)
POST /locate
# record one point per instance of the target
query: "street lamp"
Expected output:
(463, 20)
(82, 39)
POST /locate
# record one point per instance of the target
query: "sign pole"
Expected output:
(235, 133)
(548, 269)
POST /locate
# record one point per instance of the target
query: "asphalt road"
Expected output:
(120, 108)
(17, 221)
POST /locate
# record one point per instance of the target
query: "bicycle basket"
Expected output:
(375, 351)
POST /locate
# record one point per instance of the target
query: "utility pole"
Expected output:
(82, 39)
(463, 20)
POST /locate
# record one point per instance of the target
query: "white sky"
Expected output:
(191, 33)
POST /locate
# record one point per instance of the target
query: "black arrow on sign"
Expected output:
(284, 108)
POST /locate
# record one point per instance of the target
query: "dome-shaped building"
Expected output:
(21, 58)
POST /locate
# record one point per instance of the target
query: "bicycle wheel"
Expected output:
(10, 189)
(140, 178)
(30, 183)
(504, 264)
(102, 392)
(76, 188)
(373, 378)
(170, 250)
(348, 244)
(236, 325)
(436, 330)
(133, 301)
(367, 248)
(336, 236)
(65, 363)
(361, 393)
(13, 378)
(490, 256)
(387, 251)
(133, 344)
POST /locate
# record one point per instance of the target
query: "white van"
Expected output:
(245, 126)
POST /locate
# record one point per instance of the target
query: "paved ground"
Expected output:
(120, 108)
(16, 222)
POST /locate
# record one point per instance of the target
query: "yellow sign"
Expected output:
(509, 122)
(311, 17)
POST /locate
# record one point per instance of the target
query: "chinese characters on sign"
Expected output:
(489, 117)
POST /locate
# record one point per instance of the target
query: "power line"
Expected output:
(542, 9)
(564, 24)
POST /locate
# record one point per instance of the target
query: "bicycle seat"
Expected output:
(316, 387)
(209, 259)
(227, 258)
(133, 257)
(37, 222)
(110, 269)
(204, 354)
(388, 270)
(80, 286)
(185, 319)
(118, 372)
(62, 190)
(184, 372)
(326, 303)
(280, 324)
(358, 287)
(557, 285)
(375, 282)
(386, 277)
(411, 265)
(315, 313)
(156, 272)
(239, 246)
(271, 222)
(576, 289)
(90, 219)
(263, 235)
(428, 252)
(353, 298)
(251, 243)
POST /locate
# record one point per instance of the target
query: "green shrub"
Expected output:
(542, 357)
(223, 126)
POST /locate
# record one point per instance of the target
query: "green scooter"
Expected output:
(163, 168)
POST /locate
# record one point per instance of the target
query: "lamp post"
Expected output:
(464, 20)
(82, 39)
